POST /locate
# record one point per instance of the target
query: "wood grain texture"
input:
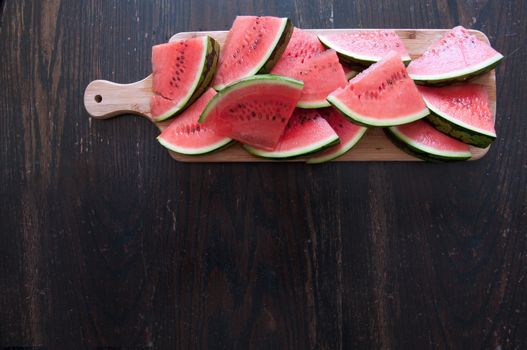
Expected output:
(104, 99)
(108, 242)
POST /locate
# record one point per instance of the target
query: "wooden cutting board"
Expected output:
(104, 99)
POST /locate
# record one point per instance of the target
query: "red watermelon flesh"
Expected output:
(301, 47)
(174, 65)
(307, 131)
(249, 45)
(366, 46)
(185, 135)
(160, 106)
(349, 135)
(424, 137)
(382, 95)
(465, 105)
(254, 110)
(322, 74)
(458, 53)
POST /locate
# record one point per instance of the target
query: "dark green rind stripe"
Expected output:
(459, 132)
(460, 78)
(211, 62)
(415, 152)
(278, 49)
(300, 154)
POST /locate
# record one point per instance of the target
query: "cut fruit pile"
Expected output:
(315, 102)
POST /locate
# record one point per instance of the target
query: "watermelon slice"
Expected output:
(254, 110)
(253, 45)
(459, 55)
(365, 47)
(462, 112)
(186, 136)
(382, 95)
(301, 47)
(306, 132)
(422, 140)
(349, 134)
(321, 74)
(182, 70)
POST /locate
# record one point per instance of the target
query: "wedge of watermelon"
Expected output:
(186, 136)
(382, 95)
(365, 47)
(422, 140)
(301, 47)
(349, 135)
(322, 74)
(182, 70)
(306, 132)
(254, 110)
(461, 111)
(253, 45)
(459, 55)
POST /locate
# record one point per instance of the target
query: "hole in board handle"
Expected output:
(98, 98)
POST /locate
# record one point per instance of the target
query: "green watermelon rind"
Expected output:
(279, 47)
(268, 61)
(368, 121)
(345, 149)
(169, 113)
(223, 143)
(252, 80)
(311, 148)
(313, 104)
(458, 75)
(348, 56)
(421, 151)
(209, 61)
(457, 129)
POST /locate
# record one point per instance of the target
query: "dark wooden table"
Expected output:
(107, 241)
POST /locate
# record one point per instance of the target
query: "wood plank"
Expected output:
(108, 243)
(104, 99)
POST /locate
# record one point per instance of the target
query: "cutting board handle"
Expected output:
(104, 99)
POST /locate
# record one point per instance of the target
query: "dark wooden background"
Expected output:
(107, 241)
